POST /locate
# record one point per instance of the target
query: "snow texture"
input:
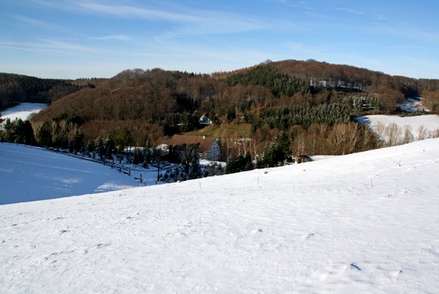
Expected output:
(429, 122)
(30, 173)
(22, 111)
(359, 223)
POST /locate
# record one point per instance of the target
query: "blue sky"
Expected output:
(93, 38)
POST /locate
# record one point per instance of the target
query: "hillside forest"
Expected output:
(266, 113)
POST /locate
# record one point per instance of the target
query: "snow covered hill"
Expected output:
(32, 173)
(22, 111)
(418, 127)
(366, 222)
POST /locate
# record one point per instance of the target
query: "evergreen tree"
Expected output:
(276, 153)
(90, 146)
(284, 144)
(9, 131)
(77, 142)
(236, 164)
(44, 135)
(248, 163)
(231, 165)
(61, 140)
(100, 148)
(109, 146)
(260, 161)
(190, 161)
(24, 134)
(195, 169)
(147, 155)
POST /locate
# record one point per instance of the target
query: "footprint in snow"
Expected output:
(100, 245)
(307, 236)
(395, 274)
(354, 266)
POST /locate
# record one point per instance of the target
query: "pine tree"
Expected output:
(190, 161)
(77, 142)
(276, 153)
(100, 148)
(44, 135)
(61, 140)
(283, 144)
(236, 164)
(109, 146)
(231, 165)
(24, 134)
(9, 131)
(195, 170)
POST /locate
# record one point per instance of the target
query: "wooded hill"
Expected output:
(310, 102)
(15, 89)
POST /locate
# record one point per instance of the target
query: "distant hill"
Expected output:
(138, 106)
(20, 88)
(345, 78)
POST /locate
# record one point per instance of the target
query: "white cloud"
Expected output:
(48, 46)
(348, 10)
(132, 11)
(29, 21)
(316, 51)
(112, 37)
(187, 20)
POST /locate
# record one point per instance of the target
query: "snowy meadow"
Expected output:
(32, 173)
(23, 111)
(365, 222)
(396, 130)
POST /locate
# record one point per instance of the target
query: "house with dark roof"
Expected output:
(208, 148)
(204, 120)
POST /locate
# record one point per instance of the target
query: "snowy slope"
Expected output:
(29, 174)
(22, 111)
(366, 222)
(429, 122)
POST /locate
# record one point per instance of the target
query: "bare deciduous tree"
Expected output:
(393, 134)
(379, 129)
(367, 136)
(422, 133)
(353, 135)
(300, 148)
(339, 136)
(408, 136)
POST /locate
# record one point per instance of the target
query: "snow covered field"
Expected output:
(22, 111)
(29, 174)
(429, 123)
(360, 223)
